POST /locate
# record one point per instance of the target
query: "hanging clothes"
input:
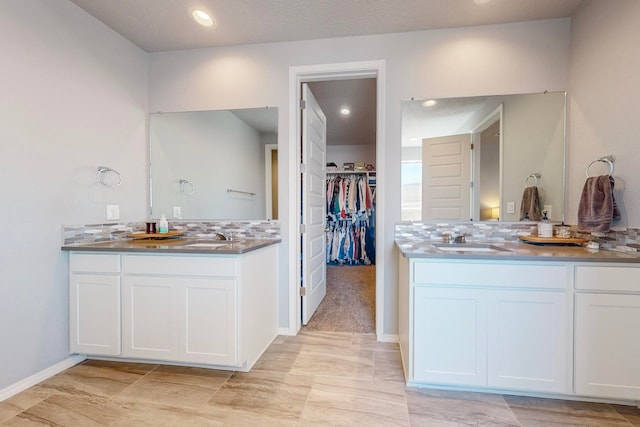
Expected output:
(350, 226)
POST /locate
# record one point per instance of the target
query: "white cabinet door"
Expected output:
(208, 316)
(450, 336)
(529, 342)
(94, 308)
(150, 319)
(607, 353)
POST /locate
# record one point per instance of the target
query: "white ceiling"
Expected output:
(165, 25)
(162, 25)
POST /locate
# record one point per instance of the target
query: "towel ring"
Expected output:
(606, 159)
(535, 176)
(102, 170)
(187, 186)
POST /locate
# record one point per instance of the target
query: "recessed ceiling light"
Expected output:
(345, 111)
(203, 18)
(481, 1)
(429, 103)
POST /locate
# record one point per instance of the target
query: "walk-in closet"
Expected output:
(350, 228)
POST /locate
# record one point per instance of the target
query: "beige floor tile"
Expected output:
(344, 363)
(201, 377)
(167, 394)
(534, 412)
(630, 413)
(150, 415)
(65, 410)
(273, 394)
(16, 404)
(370, 342)
(443, 408)
(344, 401)
(387, 366)
(96, 378)
(278, 358)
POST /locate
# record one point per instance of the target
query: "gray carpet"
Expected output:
(350, 302)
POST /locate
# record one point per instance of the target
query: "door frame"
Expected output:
(324, 72)
(268, 173)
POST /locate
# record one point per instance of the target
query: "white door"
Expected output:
(95, 314)
(208, 320)
(446, 177)
(450, 336)
(528, 340)
(607, 352)
(314, 144)
(150, 327)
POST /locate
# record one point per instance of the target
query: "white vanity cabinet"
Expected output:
(486, 324)
(218, 310)
(94, 292)
(181, 308)
(607, 352)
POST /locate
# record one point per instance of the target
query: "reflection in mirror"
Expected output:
(472, 158)
(214, 164)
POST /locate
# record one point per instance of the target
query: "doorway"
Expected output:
(350, 203)
(320, 73)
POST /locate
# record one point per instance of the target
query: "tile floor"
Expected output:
(315, 378)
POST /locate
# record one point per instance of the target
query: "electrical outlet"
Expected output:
(548, 209)
(511, 207)
(113, 212)
(177, 212)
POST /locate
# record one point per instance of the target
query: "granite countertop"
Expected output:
(181, 245)
(514, 251)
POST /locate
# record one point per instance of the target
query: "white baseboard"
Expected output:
(287, 332)
(38, 377)
(389, 338)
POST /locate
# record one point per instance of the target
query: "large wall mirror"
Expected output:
(472, 158)
(214, 164)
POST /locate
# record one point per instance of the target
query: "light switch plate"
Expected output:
(113, 212)
(177, 212)
(511, 207)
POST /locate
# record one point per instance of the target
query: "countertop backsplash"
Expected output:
(238, 229)
(621, 239)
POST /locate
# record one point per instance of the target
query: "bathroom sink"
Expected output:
(470, 247)
(213, 244)
(207, 245)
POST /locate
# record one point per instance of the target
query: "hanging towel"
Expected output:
(530, 205)
(597, 208)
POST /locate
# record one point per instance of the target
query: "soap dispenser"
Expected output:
(163, 227)
(545, 228)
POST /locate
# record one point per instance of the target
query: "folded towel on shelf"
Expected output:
(530, 205)
(597, 208)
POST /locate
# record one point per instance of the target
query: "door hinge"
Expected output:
(303, 228)
(303, 168)
(303, 291)
(472, 146)
(303, 104)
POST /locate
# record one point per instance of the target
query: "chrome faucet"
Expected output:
(222, 236)
(451, 238)
(460, 239)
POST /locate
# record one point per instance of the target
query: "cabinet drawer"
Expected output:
(483, 274)
(94, 263)
(180, 265)
(608, 278)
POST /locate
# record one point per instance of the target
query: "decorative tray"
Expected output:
(560, 241)
(156, 236)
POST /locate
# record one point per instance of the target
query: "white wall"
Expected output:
(215, 151)
(604, 95)
(501, 59)
(74, 97)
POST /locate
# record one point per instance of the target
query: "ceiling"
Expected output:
(166, 25)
